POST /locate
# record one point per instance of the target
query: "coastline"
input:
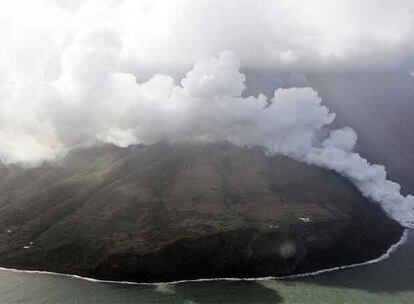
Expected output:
(379, 259)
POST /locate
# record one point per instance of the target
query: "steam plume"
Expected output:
(93, 101)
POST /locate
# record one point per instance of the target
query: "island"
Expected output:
(180, 211)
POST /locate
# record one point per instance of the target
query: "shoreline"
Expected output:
(379, 259)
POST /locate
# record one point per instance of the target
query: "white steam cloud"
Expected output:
(92, 101)
(68, 88)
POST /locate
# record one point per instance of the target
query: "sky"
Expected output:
(287, 34)
(66, 80)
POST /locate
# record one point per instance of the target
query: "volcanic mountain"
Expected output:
(166, 212)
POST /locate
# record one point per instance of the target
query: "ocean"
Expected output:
(390, 281)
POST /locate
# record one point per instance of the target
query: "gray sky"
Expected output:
(287, 34)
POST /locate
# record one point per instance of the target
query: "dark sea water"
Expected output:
(391, 281)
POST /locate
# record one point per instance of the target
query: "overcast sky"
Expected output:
(288, 34)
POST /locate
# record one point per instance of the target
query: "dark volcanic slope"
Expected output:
(168, 212)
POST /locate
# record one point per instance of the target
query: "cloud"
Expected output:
(215, 77)
(92, 101)
(64, 79)
(289, 34)
(336, 153)
(92, 58)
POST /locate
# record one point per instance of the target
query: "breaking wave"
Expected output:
(381, 258)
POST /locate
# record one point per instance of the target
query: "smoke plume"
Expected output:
(71, 90)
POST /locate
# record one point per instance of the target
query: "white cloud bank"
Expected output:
(61, 84)
(311, 34)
